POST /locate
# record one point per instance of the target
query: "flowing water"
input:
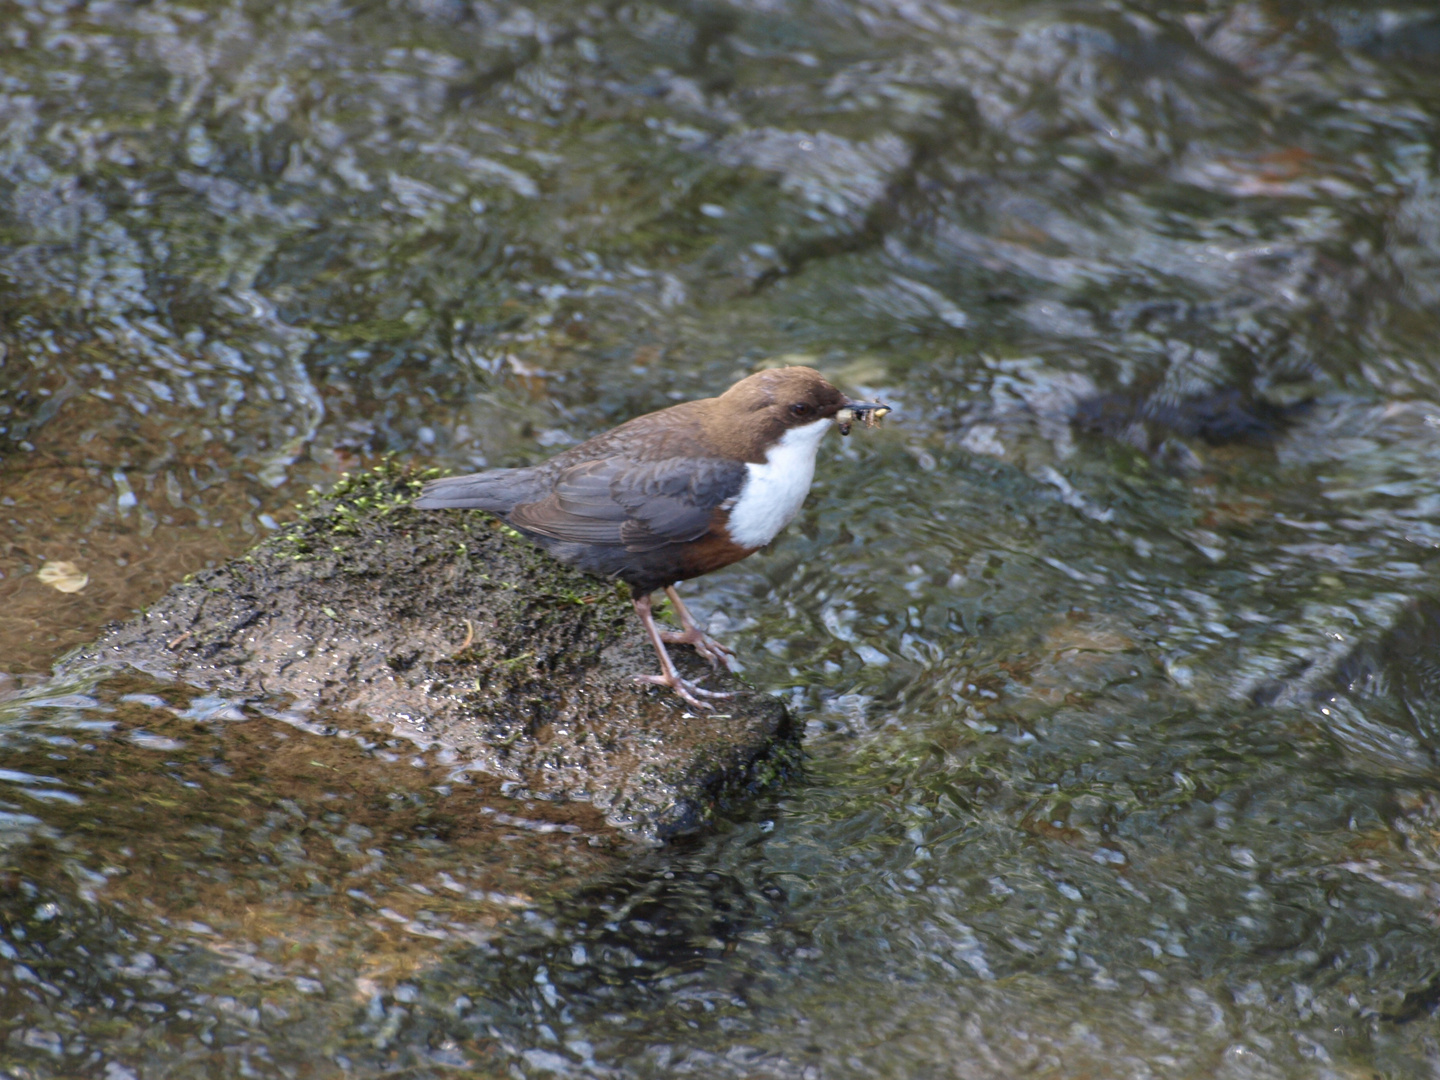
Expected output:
(1116, 647)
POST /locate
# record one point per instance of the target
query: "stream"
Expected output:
(1116, 647)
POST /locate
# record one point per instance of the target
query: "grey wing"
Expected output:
(498, 490)
(637, 506)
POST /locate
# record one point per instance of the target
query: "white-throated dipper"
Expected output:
(673, 494)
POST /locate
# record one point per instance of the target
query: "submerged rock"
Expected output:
(450, 629)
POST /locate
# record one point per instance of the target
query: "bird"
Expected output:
(672, 495)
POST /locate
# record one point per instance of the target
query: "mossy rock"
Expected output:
(449, 628)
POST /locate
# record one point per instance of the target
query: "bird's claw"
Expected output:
(719, 655)
(685, 689)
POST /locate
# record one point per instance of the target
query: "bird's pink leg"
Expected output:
(719, 655)
(668, 676)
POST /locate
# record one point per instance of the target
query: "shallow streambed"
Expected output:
(1114, 646)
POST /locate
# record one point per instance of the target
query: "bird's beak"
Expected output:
(869, 413)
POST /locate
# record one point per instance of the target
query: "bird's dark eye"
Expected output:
(801, 409)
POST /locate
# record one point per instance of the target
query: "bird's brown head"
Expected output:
(790, 395)
(757, 411)
(754, 413)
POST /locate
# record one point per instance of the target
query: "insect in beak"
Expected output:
(869, 413)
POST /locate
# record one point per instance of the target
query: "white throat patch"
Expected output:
(775, 489)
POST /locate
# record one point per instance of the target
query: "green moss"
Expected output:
(781, 761)
(371, 331)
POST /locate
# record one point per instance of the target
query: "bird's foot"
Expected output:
(685, 689)
(719, 655)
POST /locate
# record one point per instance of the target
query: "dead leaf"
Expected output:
(64, 576)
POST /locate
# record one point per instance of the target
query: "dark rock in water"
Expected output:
(1400, 668)
(1218, 417)
(452, 629)
(1412, 39)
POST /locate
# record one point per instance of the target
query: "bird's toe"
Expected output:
(716, 653)
(684, 689)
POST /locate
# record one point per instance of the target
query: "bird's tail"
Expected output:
(498, 490)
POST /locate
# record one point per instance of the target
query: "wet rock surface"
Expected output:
(449, 629)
